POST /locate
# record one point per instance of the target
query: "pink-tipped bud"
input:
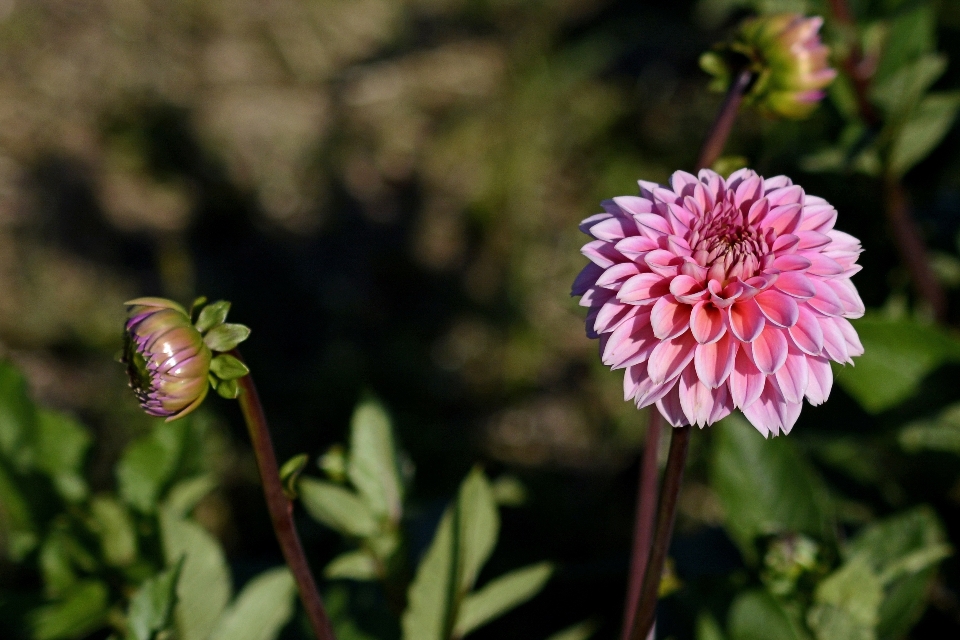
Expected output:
(166, 357)
(789, 62)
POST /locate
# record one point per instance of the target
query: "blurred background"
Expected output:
(388, 192)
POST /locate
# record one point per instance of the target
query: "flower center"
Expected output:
(727, 245)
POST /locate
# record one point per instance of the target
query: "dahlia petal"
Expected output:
(792, 194)
(694, 270)
(826, 301)
(653, 224)
(746, 320)
(820, 218)
(706, 322)
(687, 289)
(671, 409)
(663, 262)
(646, 188)
(643, 288)
(635, 246)
(592, 220)
(812, 240)
(840, 241)
(610, 315)
(714, 361)
(678, 246)
(821, 265)
(602, 253)
(722, 405)
(680, 218)
(775, 183)
(820, 381)
(783, 219)
(705, 197)
(770, 414)
(669, 318)
(758, 211)
(834, 343)
(649, 393)
(769, 350)
(793, 375)
(669, 357)
(630, 343)
(634, 205)
(614, 277)
(681, 182)
(785, 244)
(586, 279)
(792, 262)
(614, 228)
(748, 190)
(778, 308)
(726, 296)
(746, 382)
(849, 298)
(854, 346)
(795, 284)
(696, 399)
(806, 333)
(596, 297)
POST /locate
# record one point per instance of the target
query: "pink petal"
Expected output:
(821, 265)
(769, 350)
(643, 288)
(758, 211)
(796, 284)
(778, 308)
(807, 334)
(669, 318)
(714, 361)
(771, 413)
(680, 180)
(812, 240)
(774, 184)
(592, 220)
(826, 301)
(849, 298)
(670, 357)
(663, 262)
(613, 229)
(671, 409)
(635, 246)
(602, 253)
(791, 262)
(586, 279)
(820, 381)
(654, 224)
(788, 195)
(686, 289)
(698, 401)
(750, 189)
(634, 205)
(817, 217)
(834, 344)
(648, 392)
(746, 320)
(706, 322)
(630, 343)
(746, 382)
(854, 346)
(614, 277)
(785, 243)
(793, 375)
(783, 219)
(610, 315)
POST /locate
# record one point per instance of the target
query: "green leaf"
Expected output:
(118, 540)
(580, 631)
(226, 336)
(203, 589)
(938, 434)
(898, 354)
(261, 610)
(16, 520)
(185, 495)
(847, 603)
(747, 472)
(354, 565)
(923, 131)
(756, 615)
(911, 35)
(151, 609)
(336, 507)
(148, 465)
(17, 418)
(900, 93)
(500, 595)
(56, 564)
(707, 628)
(903, 550)
(508, 491)
(82, 609)
(372, 465)
(61, 446)
(228, 389)
(226, 367)
(462, 544)
(212, 315)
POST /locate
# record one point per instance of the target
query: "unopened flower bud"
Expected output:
(166, 357)
(789, 62)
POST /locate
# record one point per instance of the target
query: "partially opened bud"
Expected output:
(166, 357)
(789, 62)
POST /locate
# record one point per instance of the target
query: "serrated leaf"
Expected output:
(501, 595)
(924, 129)
(151, 609)
(354, 565)
(82, 609)
(336, 507)
(756, 615)
(112, 523)
(746, 471)
(226, 367)
(261, 609)
(372, 466)
(212, 315)
(226, 336)
(148, 465)
(203, 589)
(185, 495)
(898, 354)
(580, 631)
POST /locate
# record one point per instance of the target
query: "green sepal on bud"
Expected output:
(788, 61)
(290, 473)
(172, 362)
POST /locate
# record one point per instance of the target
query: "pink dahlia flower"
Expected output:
(714, 294)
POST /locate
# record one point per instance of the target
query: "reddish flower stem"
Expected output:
(666, 514)
(280, 506)
(717, 138)
(643, 524)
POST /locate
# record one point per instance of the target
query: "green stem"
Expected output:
(666, 514)
(280, 506)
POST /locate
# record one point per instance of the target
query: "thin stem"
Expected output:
(666, 514)
(280, 506)
(717, 138)
(643, 525)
